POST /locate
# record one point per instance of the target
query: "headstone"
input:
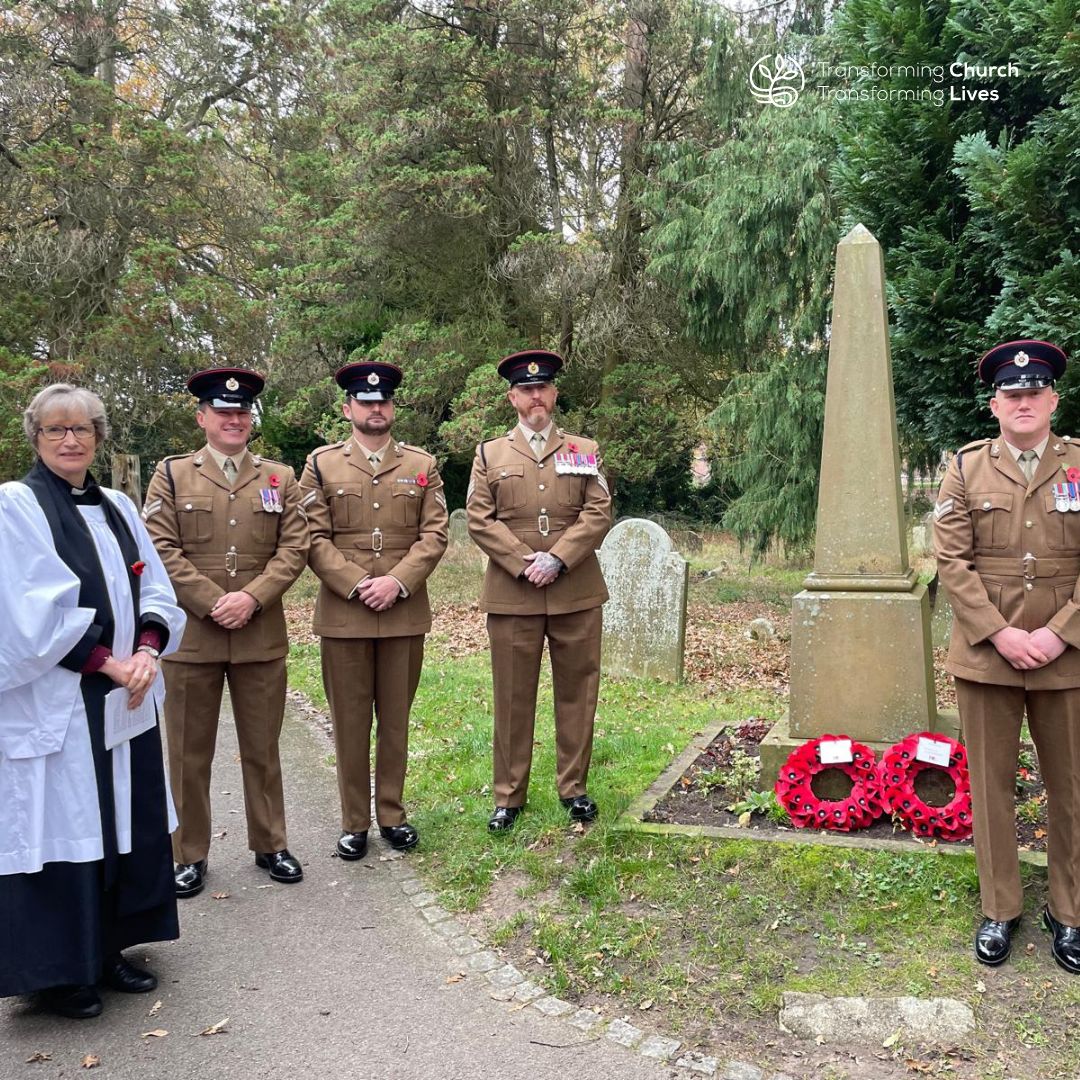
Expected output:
(861, 660)
(645, 619)
(920, 542)
(458, 527)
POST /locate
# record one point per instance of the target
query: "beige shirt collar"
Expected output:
(376, 454)
(529, 433)
(220, 458)
(1040, 449)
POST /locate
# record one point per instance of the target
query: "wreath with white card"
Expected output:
(807, 810)
(901, 767)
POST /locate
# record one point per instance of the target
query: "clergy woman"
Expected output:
(86, 609)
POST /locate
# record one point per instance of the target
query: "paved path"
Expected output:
(338, 977)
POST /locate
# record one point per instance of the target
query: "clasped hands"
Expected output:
(137, 673)
(234, 609)
(1025, 651)
(543, 568)
(379, 593)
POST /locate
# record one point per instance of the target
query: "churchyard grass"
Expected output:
(696, 936)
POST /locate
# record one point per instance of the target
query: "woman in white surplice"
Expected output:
(86, 609)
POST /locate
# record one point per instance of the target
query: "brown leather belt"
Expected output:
(1029, 567)
(381, 539)
(542, 523)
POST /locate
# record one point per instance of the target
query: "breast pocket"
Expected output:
(406, 506)
(571, 490)
(991, 517)
(195, 515)
(346, 502)
(1061, 527)
(264, 527)
(507, 483)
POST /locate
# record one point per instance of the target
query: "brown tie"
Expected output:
(229, 469)
(1029, 461)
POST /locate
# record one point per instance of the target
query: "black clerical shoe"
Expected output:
(503, 818)
(1066, 943)
(581, 808)
(993, 941)
(75, 1002)
(118, 974)
(283, 867)
(189, 878)
(352, 845)
(400, 837)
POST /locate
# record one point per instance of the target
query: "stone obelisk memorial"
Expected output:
(861, 657)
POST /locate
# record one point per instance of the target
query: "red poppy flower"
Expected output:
(421, 479)
(1072, 475)
(572, 447)
(138, 567)
(274, 480)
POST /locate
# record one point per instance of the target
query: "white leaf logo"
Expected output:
(777, 80)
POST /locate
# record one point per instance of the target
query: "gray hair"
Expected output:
(65, 396)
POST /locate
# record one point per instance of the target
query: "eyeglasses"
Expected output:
(56, 432)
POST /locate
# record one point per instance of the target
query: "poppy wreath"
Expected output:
(807, 811)
(898, 772)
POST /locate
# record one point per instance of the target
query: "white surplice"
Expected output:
(48, 790)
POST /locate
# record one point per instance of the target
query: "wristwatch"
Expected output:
(150, 651)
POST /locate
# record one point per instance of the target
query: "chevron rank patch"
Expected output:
(942, 508)
(150, 509)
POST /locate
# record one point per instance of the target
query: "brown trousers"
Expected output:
(192, 706)
(361, 675)
(991, 717)
(517, 646)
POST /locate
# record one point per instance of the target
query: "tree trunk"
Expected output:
(126, 476)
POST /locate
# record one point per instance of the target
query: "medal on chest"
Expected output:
(271, 500)
(576, 464)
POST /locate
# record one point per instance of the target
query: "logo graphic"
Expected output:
(533, 368)
(1021, 359)
(373, 379)
(231, 384)
(777, 80)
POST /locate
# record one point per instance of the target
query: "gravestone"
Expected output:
(645, 618)
(861, 659)
(458, 528)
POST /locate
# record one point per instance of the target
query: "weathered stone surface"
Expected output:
(813, 1016)
(422, 899)
(411, 885)
(941, 618)
(863, 609)
(920, 545)
(505, 976)
(552, 1006)
(484, 961)
(528, 991)
(464, 945)
(741, 1070)
(697, 1063)
(659, 1047)
(761, 630)
(619, 1031)
(458, 529)
(585, 1019)
(435, 913)
(645, 619)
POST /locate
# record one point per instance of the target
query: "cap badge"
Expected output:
(373, 379)
(533, 368)
(231, 384)
(1021, 359)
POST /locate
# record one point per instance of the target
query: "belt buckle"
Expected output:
(376, 539)
(230, 563)
(543, 524)
(1029, 570)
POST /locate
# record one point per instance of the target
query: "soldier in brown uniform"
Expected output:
(377, 516)
(229, 529)
(538, 504)
(1007, 530)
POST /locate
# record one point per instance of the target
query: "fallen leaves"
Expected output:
(91, 1061)
(220, 896)
(215, 1029)
(155, 1008)
(459, 977)
(38, 1055)
(157, 1033)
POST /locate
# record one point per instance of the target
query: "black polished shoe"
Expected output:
(283, 867)
(189, 878)
(352, 845)
(119, 975)
(400, 837)
(993, 941)
(74, 1002)
(503, 818)
(581, 808)
(1066, 943)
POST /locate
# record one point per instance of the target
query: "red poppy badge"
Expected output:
(275, 480)
(138, 567)
(421, 479)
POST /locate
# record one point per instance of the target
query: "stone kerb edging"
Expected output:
(508, 984)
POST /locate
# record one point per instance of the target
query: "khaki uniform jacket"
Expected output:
(215, 539)
(366, 523)
(518, 505)
(987, 521)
